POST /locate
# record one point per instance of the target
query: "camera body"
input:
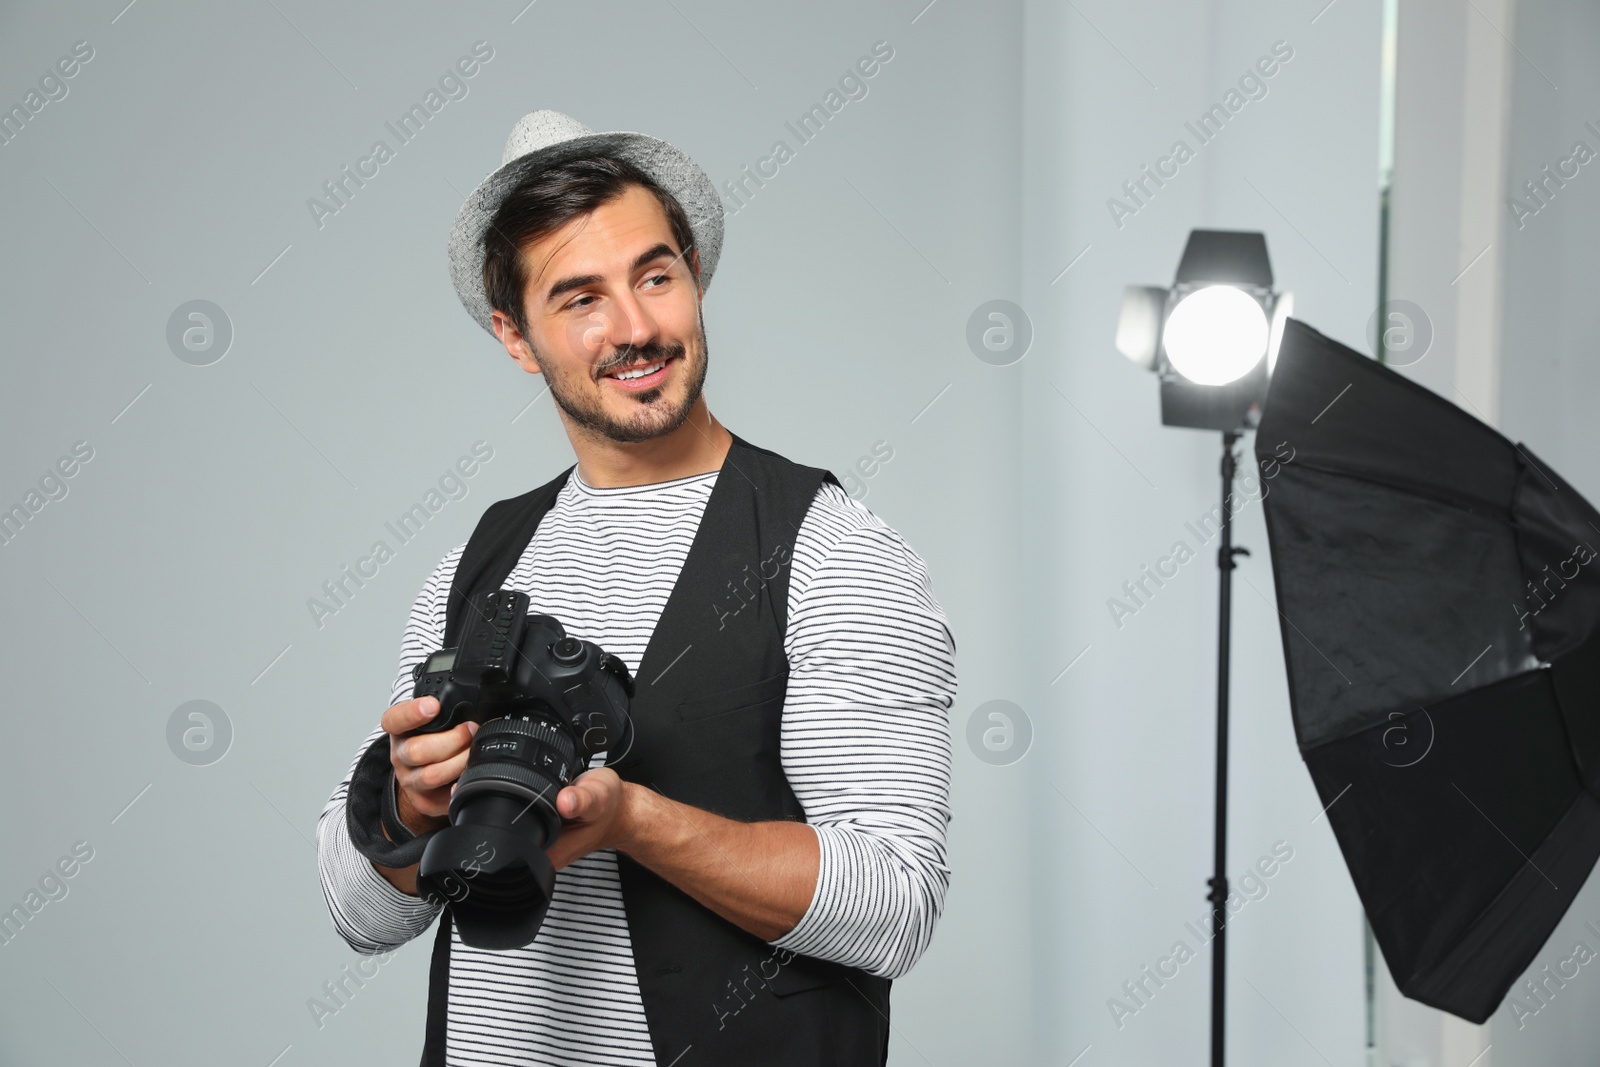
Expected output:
(510, 661)
(547, 704)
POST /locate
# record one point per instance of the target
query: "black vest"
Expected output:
(707, 707)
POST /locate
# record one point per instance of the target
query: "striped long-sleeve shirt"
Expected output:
(865, 745)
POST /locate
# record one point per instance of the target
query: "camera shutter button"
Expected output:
(567, 651)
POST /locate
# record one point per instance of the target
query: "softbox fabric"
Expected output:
(1440, 607)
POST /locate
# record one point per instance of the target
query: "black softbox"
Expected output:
(1439, 593)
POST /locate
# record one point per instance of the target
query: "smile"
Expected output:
(642, 377)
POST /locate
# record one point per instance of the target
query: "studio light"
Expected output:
(1213, 340)
(1213, 337)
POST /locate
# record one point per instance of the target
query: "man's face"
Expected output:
(608, 293)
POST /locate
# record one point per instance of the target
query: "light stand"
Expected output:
(1219, 880)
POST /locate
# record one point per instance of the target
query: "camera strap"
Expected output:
(394, 827)
(369, 811)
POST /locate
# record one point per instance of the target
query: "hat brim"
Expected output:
(673, 170)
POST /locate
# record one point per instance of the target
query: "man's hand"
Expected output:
(760, 876)
(594, 814)
(425, 770)
(425, 766)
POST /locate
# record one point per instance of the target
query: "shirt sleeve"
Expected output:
(368, 911)
(866, 749)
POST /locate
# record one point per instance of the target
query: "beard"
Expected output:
(653, 415)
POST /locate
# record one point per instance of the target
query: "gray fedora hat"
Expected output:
(542, 138)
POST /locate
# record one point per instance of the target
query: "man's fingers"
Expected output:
(569, 802)
(425, 766)
(433, 776)
(583, 799)
(429, 787)
(423, 749)
(407, 715)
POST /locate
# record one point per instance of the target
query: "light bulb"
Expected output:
(1215, 335)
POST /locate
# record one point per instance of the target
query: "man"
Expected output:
(742, 886)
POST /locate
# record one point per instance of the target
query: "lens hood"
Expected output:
(496, 882)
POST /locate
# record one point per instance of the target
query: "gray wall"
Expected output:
(177, 168)
(1550, 381)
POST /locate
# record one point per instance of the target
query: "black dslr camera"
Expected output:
(547, 704)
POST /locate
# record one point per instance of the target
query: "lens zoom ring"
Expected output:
(540, 730)
(544, 737)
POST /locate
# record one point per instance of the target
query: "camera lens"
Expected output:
(490, 863)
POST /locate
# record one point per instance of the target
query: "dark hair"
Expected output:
(547, 200)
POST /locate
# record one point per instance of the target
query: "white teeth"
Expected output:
(639, 372)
